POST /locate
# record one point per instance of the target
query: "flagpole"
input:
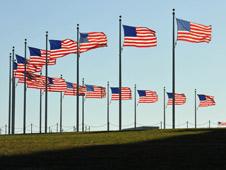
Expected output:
(164, 107)
(46, 89)
(83, 108)
(120, 74)
(77, 95)
(40, 110)
(108, 123)
(13, 95)
(25, 84)
(135, 107)
(10, 90)
(173, 72)
(195, 111)
(61, 109)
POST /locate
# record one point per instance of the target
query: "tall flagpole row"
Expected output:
(61, 109)
(195, 110)
(173, 72)
(40, 109)
(25, 85)
(135, 107)
(77, 95)
(13, 94)
(46, 86)
(108, 121)
(120, 74)
(83, 108)
(164, 107)
(10, 90)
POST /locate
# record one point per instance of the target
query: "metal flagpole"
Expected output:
(25, 85)
(46, 89)
(135, 107)
(120, 74)
(40, 110)
(83, 108)
(164, 107)
(195, 111)
(173, 72)
(13, 95)
(108, 122)
(10, 90)
(77, 95)
(61, 109)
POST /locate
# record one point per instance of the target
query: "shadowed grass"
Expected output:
(159, 149)
(26, 144)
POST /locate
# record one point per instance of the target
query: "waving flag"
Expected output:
(221, 123)
(147, 96)
(192, 32)
(38, 57)
(33, 81)
(57, 85)
(71, 89)
(17, 74)
(95, 92)
(62, 48)
(139, 37)
(180, 98)
(21, 61)
(92, 40)
(206, 100)
(36, 81)
(125, 93)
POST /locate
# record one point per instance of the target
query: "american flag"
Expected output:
(33, 80)
(221, 123)
(56, 84)
(206, 100)
(36, 82)
(92, 40)
(17, 74)
(61, 48)
(71, 89)
(180, 98)
(125, 93)
(95, 91)
(21, 61)
(192, 32)
(139, 37)
(147, 96)
(38, 57)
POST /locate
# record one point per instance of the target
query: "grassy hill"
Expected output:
(151, 149)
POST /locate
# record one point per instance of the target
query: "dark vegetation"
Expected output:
(152, 149)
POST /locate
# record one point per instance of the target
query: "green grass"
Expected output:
(160, 149)
(27, 144)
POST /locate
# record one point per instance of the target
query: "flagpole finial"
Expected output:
(46, 33)
(25, 40)
(61, 76)
(120, 17)
(13, 47)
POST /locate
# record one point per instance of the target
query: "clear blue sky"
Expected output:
(200, 66)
